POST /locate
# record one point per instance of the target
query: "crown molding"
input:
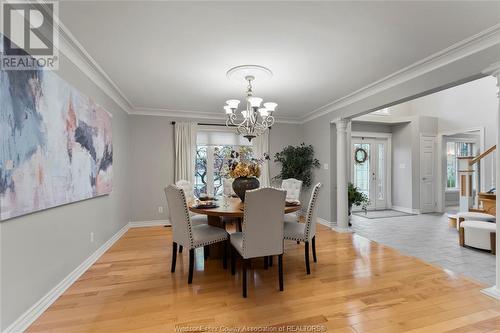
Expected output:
(76, 53)
(159, 112)
(457, 51)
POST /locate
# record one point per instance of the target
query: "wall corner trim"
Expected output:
(35, 311)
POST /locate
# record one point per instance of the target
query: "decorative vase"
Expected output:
(243, 184)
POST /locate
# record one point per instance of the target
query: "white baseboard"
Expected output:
(153, 223)
(492, 292)
(342, 230)
(406, 210)
(324, 222)
(27, 318)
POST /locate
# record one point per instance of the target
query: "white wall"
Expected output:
(402, 166)
(38, 250)
(473, 104)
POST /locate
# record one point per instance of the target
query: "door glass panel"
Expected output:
(362, 170)
(381, 172)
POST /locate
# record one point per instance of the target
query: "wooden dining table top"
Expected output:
(234, 208)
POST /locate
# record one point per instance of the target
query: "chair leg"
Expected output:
(493, 242)
(238, 225)
(280, 271)
(180, 248)
(314, 248)
(308, 269)
(224, 255)
(270, 261)
(233, 260)
(206, 251)
(191, 266)
(461, 238)
(266, 262)
(174, 256)
(244, 285)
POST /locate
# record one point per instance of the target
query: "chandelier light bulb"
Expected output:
(263, 112)
(233, 103)
(254, 101)
(228, 110)
(246, 114)
(270, 106)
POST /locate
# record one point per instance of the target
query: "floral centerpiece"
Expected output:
(245, 172)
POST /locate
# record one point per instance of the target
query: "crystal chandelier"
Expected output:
(254, 120)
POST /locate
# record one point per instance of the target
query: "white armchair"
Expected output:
(262, 234)
(474, 216)
(187, 235)
(305, 232)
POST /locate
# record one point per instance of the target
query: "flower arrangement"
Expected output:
(244, 167)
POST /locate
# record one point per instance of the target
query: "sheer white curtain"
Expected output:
(185, 150)
(261, 146)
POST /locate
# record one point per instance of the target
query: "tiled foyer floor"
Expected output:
(429, 238)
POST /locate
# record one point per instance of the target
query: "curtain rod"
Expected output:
(207, 124)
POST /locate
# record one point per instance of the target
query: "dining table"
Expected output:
(228, 208)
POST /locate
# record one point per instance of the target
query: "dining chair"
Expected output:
(187, 235)
(292, 187)
(187, 187)
(262, 233)
(305, 232)
(227, 185)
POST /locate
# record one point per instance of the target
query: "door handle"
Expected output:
(424, 178)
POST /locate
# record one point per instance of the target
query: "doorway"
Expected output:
(370, 168)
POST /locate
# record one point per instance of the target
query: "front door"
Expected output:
(369, 170)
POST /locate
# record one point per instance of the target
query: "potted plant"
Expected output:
(355, 197)
(245, 173)
(297, 162)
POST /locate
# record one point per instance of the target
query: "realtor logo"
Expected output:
(30, 41)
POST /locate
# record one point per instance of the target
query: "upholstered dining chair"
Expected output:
(187, 235)
(227, 185)
(262, 234)
(292, 187)
(187, 187)
(305, 232)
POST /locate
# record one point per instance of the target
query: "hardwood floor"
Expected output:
(356, 286)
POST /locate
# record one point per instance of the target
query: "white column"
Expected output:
(342, 176)
(495, 290)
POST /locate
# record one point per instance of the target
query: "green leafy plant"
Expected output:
(297, 162)
(355, 197)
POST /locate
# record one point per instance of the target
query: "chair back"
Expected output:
(187, 187)
(312, 212)
(227, 184)
(179, 216)
(263, 222)
(292, 187)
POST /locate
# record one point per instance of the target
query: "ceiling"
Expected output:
(173, 56)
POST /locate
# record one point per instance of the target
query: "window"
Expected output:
(213, 149)
(454, 150)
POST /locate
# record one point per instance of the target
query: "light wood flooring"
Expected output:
(356, 286)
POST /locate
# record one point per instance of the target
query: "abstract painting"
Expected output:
(55, 144)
